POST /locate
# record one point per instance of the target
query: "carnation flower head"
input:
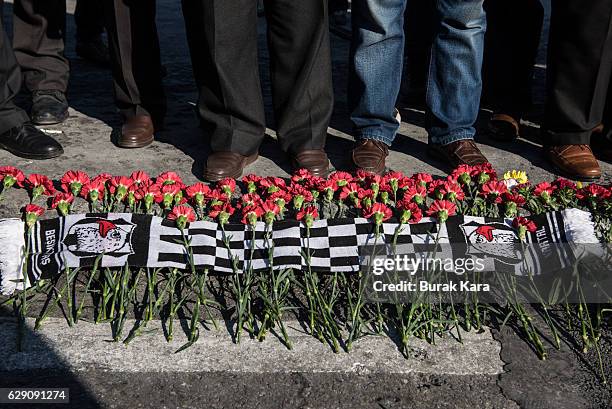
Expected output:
(11, 176)
(379, 212)
(198, 193)
(307, 214)
(39, 185)
(182, 215)
(73, 181)
(31, 213)
(442, 210)
(62, 202)
(523, 225)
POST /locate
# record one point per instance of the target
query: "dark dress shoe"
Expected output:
(369, 155)
(137, 132)
(28, 142)
(574, 161)
(221, 165)
(94, 50)
(462, 152)
(504, 127)
(315, 161)
(49, 107)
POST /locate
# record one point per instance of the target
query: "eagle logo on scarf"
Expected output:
(496, 240)
(91, 237)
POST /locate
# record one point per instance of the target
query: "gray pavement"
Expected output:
(489, 370)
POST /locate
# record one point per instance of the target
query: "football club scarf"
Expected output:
(329, 245)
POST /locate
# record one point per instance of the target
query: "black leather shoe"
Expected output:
(49, 107)
(94, 50)
(28, 142)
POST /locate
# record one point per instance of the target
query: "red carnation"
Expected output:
(270, 211)
(442, 209)
(416, 193)
(140, 177)
(119, 186)
(221, 212)
(410, 211)
(251, 181)
(250, 214)
(182, 215)
(380, 212)
(198, 193)
(301, 176)
(73, 181)
(308, 214)
(40, 185)
(62, 201)
(31, 213)
(524, 225)
(422, 178)
(93, 190)
(227, 186)
(169, 178)
(593, 191)
(10, 176)
(341, 178)
(493, 190)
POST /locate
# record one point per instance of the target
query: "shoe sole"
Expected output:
(136, 145)
(53, 122)
(30, 155)
(216, 178)
(316, 174)
(563, 173)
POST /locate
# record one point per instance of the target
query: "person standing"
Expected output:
(231, 105)
(89, 21)
(454, 81)
(17, 134)
(137, 70)
(509, 59)
(38, 40)
(579, 71)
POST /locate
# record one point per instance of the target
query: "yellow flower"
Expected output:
(579, 185)
(519, 176)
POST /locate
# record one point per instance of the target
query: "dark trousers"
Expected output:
(338, 5)
(135, 57)
(579, 70)
(38, 40)
(10, 84)
(89, 19)
(231, 105)
(511, 47)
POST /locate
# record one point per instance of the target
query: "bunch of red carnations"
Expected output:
(468, 190)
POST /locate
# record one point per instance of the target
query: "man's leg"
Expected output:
(455, 81)
(17, 135)
(375, 78)
(579, 69)
(231, 104)
(301, 74)
(39, 28)
(510, 54)
(89, 20)
(136, 67)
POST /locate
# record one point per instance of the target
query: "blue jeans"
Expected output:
(455, 70)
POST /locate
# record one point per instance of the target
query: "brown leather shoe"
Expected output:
(574, 161)
(369, 155)
(221, 165)
(136, 132)
(315, 161)
(462, 152)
